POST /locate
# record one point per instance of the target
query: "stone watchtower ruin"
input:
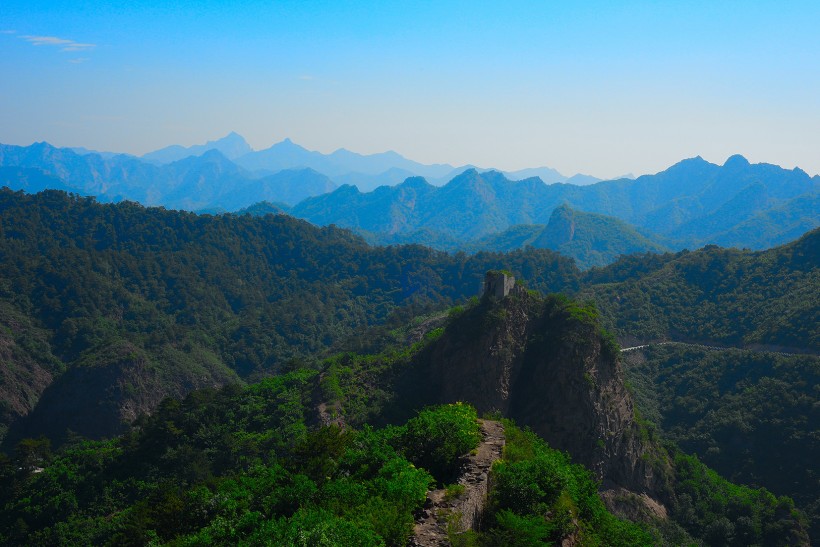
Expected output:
(497, 284)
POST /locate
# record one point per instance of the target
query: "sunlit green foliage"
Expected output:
(437, 437)
(722, 513)
(540, 496)
(221, 468)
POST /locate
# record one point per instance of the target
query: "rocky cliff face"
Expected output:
(26, 366)
(547, 365)
(109, 391)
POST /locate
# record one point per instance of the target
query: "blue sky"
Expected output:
(602, 88)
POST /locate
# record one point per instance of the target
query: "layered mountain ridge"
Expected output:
(690, 204)
(190, 183)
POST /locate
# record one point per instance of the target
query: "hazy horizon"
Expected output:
(598, 89)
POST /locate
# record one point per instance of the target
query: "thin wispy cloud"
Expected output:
(8, 32)
(78, 60)
(62, 43)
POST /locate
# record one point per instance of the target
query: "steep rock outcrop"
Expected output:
(548, 365)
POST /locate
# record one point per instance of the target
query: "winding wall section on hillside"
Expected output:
(716, 348)
(464, 512)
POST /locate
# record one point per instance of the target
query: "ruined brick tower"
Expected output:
(498, 284)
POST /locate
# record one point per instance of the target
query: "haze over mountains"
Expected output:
(691, 204)
(343, 166)
(108, 308)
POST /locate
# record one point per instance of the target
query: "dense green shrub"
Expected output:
(723, 513)
(539, 496)
(437, 437)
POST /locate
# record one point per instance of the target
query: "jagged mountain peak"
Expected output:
(697, 161)
(287, 142)
(564, 208)
(561, 214)
(528, 184)
(46, 147)
(231, 137)
(347, 189)
(473, 175)
(469, 172)
(214, 155)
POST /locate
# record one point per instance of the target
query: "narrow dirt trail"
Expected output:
(431, 527)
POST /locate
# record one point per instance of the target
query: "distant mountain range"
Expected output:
(366, 172)
(210, 180)
(693, 203)
(220, 179)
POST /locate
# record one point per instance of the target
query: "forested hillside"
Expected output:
(107, 309)
(752, 416)
(122, 305)
(255, 464)
(715, 295)
(125, 305)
